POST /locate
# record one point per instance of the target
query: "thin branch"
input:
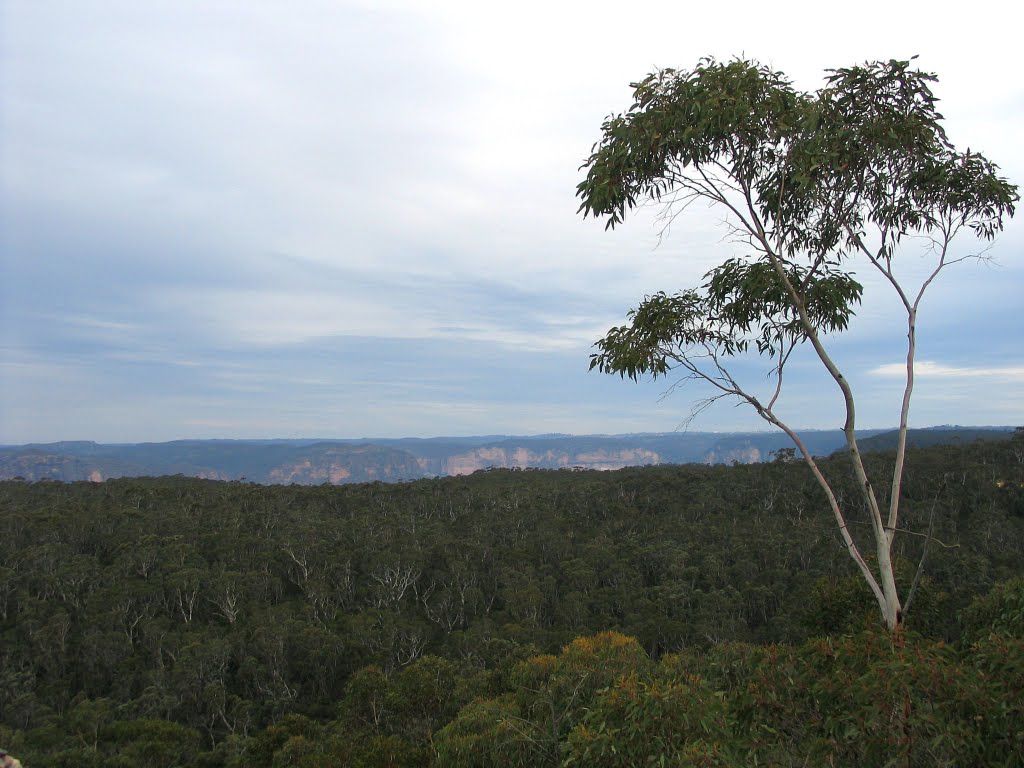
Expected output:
(783, 359)
(913, 533)
(849, 428)
(727, 385)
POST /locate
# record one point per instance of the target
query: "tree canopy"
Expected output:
(812, 183)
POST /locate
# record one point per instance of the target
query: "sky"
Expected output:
(259, 219)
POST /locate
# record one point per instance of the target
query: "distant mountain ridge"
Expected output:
(311, 461)
(925, 438)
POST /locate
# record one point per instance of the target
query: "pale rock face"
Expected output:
(337, 473)
(288, 473)
(212, 475)
(750, 455)
(608, 460)
(305, 472)
(482, 458)
(346, 464)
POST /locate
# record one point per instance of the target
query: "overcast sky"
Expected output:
(345, 219)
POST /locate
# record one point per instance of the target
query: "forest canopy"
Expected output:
(376, 624)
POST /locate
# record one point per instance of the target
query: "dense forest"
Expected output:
(670, 615)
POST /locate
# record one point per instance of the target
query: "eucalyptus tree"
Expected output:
(811, 184)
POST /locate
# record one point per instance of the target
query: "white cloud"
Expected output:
(417, 163)
(932, 370)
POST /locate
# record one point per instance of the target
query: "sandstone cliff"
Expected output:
(522, 457)
(390, 460)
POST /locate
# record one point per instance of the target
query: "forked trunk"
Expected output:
(892, 612)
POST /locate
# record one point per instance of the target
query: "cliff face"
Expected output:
(306, 473)
(348, 461)
(522, 457)
(306, 465)
(748, 454)
(41, 465)
(345, 464)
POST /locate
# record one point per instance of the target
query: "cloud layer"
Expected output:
(239, 220)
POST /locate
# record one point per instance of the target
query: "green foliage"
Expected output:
(156, 743)
(266, 745)
(867, 150)
(839, 606)
(876, 701)
(1000, 612)
(805, 176)
(489, 733)
(739, 304)
(999, 662)
(680, 120)
(678, 722)
(808, 182)
(546, 699)
(861, 699)
(117, 636)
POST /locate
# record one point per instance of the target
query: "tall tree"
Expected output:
(811, 183)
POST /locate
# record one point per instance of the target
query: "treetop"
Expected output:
(865, 152)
